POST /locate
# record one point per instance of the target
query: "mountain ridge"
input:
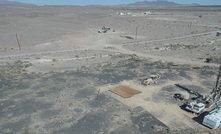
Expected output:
(7, 2)
(139, 3)
(159, 3)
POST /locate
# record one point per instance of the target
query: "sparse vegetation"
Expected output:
(213, 59)
(26, 131)
(196, 67)
(157, 48)
(180, 46)
(170, 63)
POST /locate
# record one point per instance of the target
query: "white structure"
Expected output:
(121, 13)
(213, 119)
(129, 13)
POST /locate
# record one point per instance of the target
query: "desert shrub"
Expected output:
(26, 131)
(170, 63)
(197, 68)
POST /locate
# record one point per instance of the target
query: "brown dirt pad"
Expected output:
(124, 91)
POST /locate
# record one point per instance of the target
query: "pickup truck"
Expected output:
(218, 33)
(103, 30)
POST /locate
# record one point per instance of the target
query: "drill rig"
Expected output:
(210, 101)
(213, 119)
(214, 97)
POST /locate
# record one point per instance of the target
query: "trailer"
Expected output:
(213, 119)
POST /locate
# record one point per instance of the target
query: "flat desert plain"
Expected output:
(56, 70)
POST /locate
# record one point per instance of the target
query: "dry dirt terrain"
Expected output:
(58, 81)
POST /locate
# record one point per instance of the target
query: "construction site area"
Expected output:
(110, 70)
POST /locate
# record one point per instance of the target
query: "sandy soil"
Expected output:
(51, 85)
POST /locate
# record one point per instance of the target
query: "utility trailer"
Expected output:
(213, 119)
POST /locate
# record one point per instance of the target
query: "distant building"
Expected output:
(121, 13)
(147, 13)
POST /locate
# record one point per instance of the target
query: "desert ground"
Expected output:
(56, 75)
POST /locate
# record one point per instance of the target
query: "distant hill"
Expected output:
(158, 3)
(7, 2)
(195, 4)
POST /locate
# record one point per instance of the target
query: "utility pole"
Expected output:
(190, 26)
(136, 33)
(98, 93)
(18, 42)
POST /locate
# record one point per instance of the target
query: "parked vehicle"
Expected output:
(195, 107)
(218, 33)
(103, 30)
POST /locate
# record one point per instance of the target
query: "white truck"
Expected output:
(103, 30)
(213, 119)
(218, 32)
(195, 107)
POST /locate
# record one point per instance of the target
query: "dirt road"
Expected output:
(99, 42)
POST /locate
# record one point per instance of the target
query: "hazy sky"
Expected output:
(111, 2)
